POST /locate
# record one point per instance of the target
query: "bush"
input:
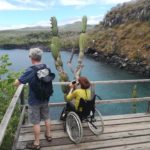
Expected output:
(7, 91)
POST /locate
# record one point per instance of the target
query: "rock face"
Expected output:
(122, 62)
(123, 37)
(138, 10)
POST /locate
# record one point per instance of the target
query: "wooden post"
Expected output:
(148, 110)
(22, 101)
(18, 128)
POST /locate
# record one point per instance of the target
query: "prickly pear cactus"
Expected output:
(82, 45)
(55, 50)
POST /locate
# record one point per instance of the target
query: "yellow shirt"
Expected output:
(77, 94)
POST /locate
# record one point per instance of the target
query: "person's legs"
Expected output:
(70, 106)
(48, 128)
(34, 117)
(45, 116)
(36, 129)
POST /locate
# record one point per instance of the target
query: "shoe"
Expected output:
(32, 146)
(63, 117)
(48, 138)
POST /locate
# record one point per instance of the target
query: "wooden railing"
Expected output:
(19, 95)
(5, 121)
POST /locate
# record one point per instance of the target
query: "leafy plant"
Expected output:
(4, 63)
(7, 91)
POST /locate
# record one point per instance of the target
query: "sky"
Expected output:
(28, 13)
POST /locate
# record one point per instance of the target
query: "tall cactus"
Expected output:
(55, 49)
(82, 45)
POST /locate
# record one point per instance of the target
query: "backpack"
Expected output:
(42, 85)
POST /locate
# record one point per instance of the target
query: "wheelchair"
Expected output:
(88, 113)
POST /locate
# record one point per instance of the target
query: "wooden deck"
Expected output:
(121, 132)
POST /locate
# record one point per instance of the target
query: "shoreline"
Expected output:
(116, 60)
(24, 47)
(121, 62)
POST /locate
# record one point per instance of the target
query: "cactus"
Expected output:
(84, 24)
(55, 49)
(82, 45)
(54, 26)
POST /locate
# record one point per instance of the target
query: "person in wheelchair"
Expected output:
(81, 107)
(79, 90)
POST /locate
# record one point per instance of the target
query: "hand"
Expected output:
(72, 85)
(17, 82)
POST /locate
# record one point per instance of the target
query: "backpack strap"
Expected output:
(36, 68)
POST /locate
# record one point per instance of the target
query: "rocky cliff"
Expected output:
(123, 37)
(136, 10)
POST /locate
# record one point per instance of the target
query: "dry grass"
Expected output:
(128, 38)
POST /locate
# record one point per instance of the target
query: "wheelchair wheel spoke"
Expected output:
(96, 124)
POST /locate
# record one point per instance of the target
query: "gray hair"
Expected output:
(35, 53)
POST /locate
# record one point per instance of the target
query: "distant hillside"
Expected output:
(40, 36)
(76, 27)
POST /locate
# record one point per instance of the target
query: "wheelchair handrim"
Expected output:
(69, 125)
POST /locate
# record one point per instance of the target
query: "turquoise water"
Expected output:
(94, 71)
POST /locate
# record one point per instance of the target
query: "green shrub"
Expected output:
(7, 91)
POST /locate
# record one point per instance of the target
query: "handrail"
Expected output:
(9, 112)
(109, 82)
(112, 101)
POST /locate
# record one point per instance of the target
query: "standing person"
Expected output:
(38, 96)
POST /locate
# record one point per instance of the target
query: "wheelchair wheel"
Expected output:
(74, 127)
(96, 124)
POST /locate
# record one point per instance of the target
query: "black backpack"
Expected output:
(42, 85)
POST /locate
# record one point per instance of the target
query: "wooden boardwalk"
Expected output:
(121, 132)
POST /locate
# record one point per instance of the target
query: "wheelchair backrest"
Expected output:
(86, 106)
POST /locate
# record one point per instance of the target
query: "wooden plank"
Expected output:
(105, 118)
(61, 137)
(107, 129)
(9, 112)
(137, 146)
(101, 144)
(127, 127)
(111, 117)
(126, 116)
(106, 123)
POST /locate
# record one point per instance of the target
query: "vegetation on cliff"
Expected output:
(125, 31)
